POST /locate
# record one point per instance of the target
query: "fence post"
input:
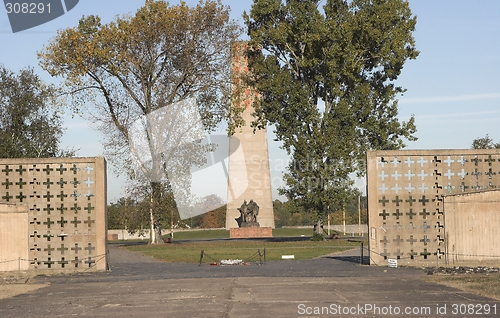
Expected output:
(264, 255)
(361, 258)
(201, 256)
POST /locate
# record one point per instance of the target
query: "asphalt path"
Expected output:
(336, 285)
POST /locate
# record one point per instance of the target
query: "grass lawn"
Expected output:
(211, 234)
(189, 252)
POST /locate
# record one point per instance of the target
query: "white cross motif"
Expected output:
(395, 162)
(422, 161)
(449, 161)
(88, 182)
(396, 175)
(382, 162)
(462, 174)
(383, 175)
(409, 188)
(422, 175)
(409, 162)
(423, 188)
(449, 174)
(462, 160)
(383, 188)
(409, 175)
(396, 188)
(88, 168)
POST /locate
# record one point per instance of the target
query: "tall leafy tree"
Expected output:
(485, 143)
(30, 125)
(326, 75)
(137, 64)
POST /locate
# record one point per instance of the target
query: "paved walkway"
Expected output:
(139, 286)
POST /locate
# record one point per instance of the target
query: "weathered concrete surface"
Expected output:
(139, 287)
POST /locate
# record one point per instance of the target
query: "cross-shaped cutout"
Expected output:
(476, 160)
(21, 170)
(75, 182)
(89, 248)
(21, 197)
(62, 208)
(7, 170)
(89, 182)
(48, 183)
(411, 240)
(411, 214)
(409, 188)
(423, 200)
(425, 226)
(62, 221)
(75, 195)
(62, 195)
(409, 162)
(61, 169)
(424, 214)
(425, 253)
(48, 209)
(7, 183)
(384, 214)
(75, 222)
(383, 201)
(489, 160)
(490, 173)
(89, 222)
(398, 240)
(48, 223)
(397, 200)
(62, 249)
(76, 208)
(88, 168)
(397, 214)
(398, 227)
(48, 169)
(21, 183)
(410, 200)
(61, 183)
(76, 248)
(7, 197)
(74, 169)
(425, 240)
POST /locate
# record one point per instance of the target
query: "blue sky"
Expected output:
(453, 87)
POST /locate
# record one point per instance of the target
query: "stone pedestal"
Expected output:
(250, 232)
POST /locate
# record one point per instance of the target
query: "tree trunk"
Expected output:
(155, 225)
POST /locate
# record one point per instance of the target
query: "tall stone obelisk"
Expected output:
(248, 166)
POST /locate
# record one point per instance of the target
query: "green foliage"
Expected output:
(485, 143)
(290, 213)
(30, 125)
(326, 80)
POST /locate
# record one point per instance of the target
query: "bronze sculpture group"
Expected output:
(248, 214)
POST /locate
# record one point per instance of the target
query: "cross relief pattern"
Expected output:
(62, 216)
(410, 202)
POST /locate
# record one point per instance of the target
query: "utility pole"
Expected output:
(359, 214)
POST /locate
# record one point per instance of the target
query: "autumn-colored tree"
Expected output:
(215, 218)
(120, 72)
